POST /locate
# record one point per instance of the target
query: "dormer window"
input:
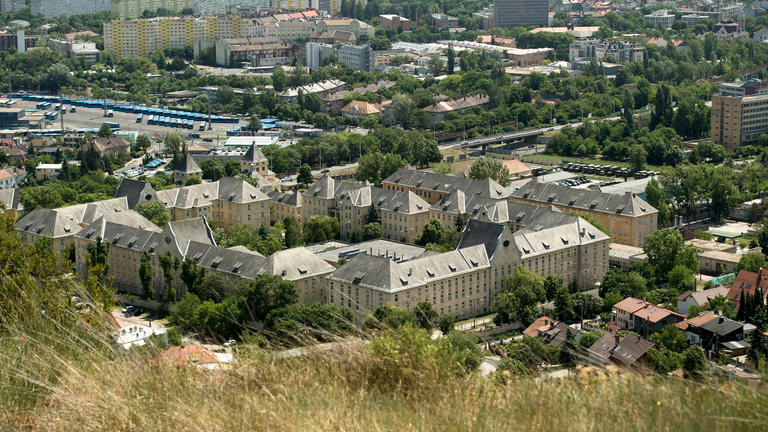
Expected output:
(216, 261)
(452, 267)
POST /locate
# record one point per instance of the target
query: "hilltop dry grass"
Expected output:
(343, 391)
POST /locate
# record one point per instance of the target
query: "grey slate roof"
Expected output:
(627, 204)
(324, 188)
(296, 263)
(334, 251)
(442, 183)
(232, 261)
(118, 234)
(10, 198)
(135, 191)
(188, 166)
(721, 326)
(254, 155)
(239, 191)
(405, 202)
(226, 188)
(549, 231)
(478, 232)
(184, 232)
(386, 275)
(69, 220)
(288, 198)
(482, 207)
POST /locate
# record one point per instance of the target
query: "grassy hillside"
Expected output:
(59, 372)
(394, 383)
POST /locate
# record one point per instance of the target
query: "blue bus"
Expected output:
(113, 126)
(139, 118)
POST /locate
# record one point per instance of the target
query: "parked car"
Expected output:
(230, 343)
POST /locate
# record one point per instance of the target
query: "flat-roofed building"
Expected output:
(513, 13)
(739, 114)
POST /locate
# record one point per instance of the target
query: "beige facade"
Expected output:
(455, 283)
(286, 204)
(403, 214)
(717, 262)
(228, 201)
(737, 121)
(556, 244)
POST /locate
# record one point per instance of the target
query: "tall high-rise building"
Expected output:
(143, 36)
(62, 8)
(11, 5)
(511, 13)
(739, 114)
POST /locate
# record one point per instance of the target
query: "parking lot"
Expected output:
(94, 117)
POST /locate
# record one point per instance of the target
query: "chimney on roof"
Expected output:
(616, 339)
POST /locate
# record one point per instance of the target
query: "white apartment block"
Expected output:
(660, 19)
(63, 8)
(11, 5)
(132, 9)
(621, 51)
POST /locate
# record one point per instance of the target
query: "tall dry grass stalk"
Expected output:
(352, 390)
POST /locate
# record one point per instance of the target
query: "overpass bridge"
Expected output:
(528, 135)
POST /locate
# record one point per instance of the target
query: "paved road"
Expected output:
(489, 365)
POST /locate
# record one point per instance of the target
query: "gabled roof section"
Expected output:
(183, 232)
(324, 188)
(293, 198)
(586, 199)
(405, 202)
(134, 191)
(386, 275)
(239, 191)
(487, 234)
(296, 263)
(66, 221)
(254, 155)
(188, 166)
